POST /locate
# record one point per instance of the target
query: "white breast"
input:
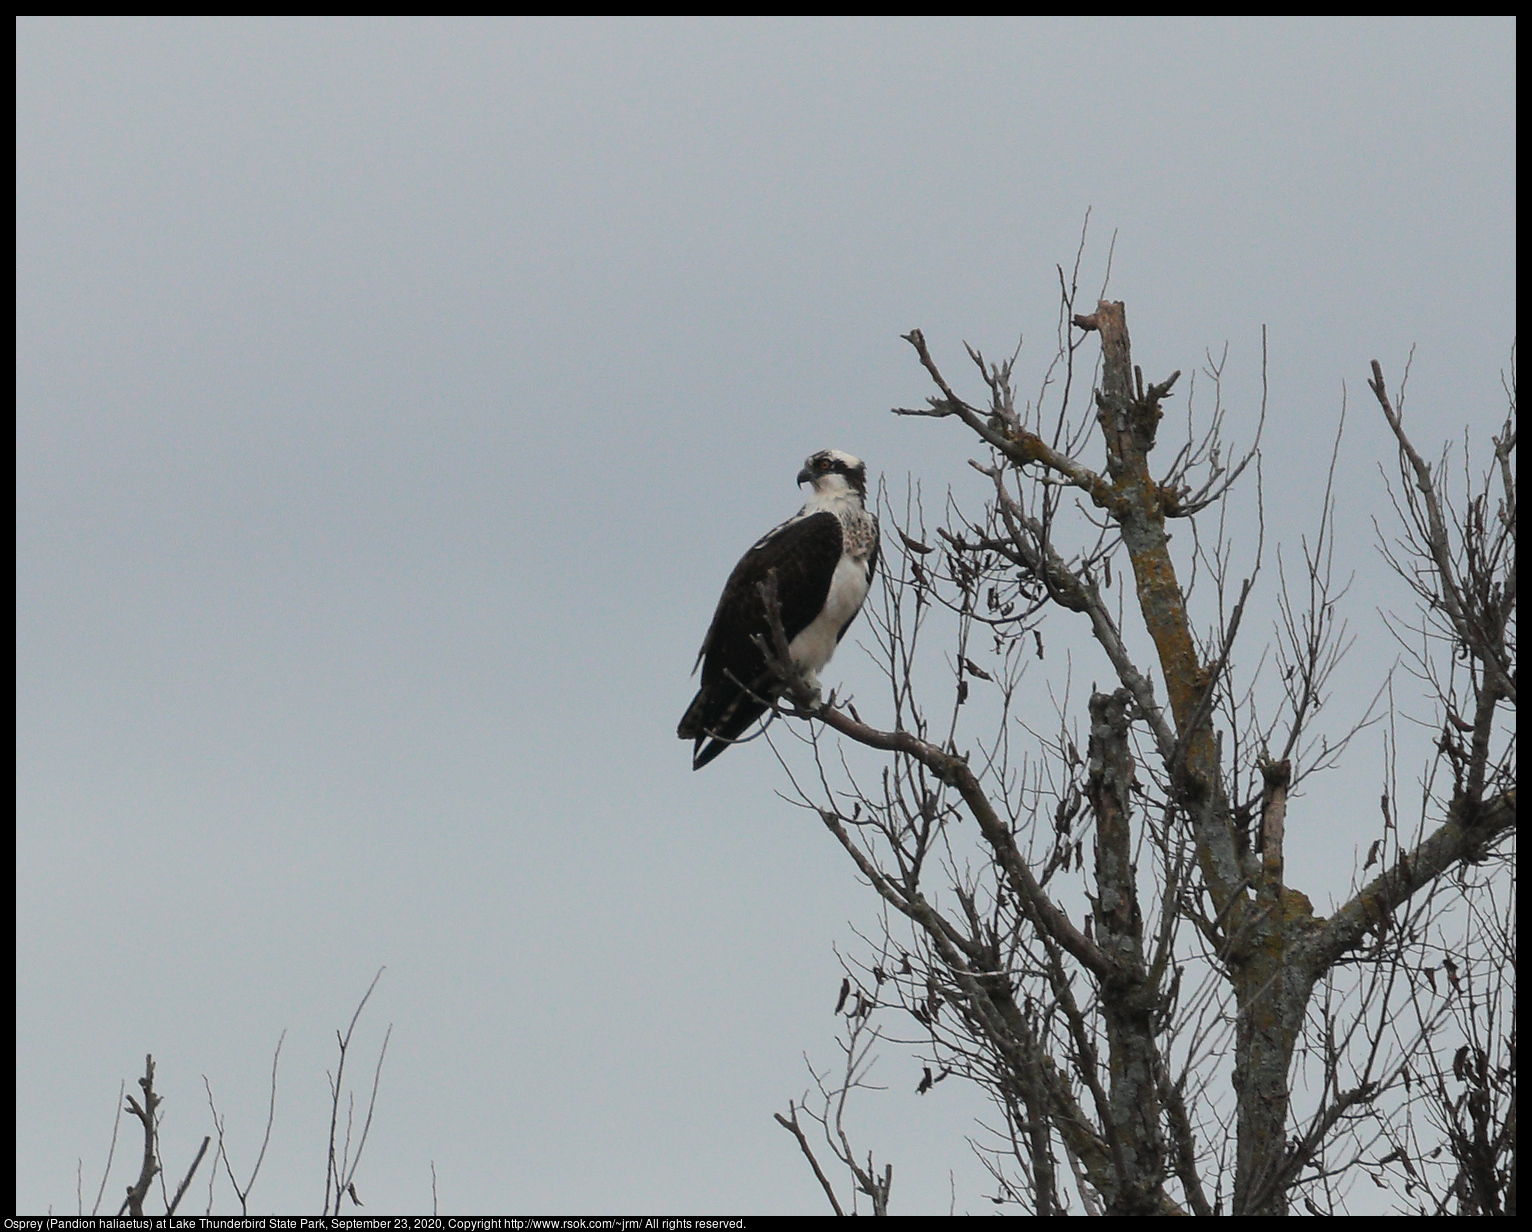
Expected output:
(812, 648)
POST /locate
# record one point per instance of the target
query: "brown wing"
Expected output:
(736, 682)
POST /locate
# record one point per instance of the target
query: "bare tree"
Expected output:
(148, 1116)
(242, 1192)
(343, 1156)
(340, 1173)
(831, 1111)
(1097, 928)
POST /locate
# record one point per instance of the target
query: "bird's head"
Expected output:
(834, 473)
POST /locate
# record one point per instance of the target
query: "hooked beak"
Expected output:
(805, 476)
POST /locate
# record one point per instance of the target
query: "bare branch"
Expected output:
(791, 1125)
(133, 1204)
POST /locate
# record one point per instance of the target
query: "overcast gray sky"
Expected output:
(394, 397)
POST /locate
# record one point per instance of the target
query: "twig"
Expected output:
(112, 1150)
(187, 1179)
(796, 1130)
(332, 1172)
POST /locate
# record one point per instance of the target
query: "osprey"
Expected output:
(824, 557)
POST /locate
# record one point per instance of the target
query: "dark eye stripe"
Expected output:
(828, 464)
